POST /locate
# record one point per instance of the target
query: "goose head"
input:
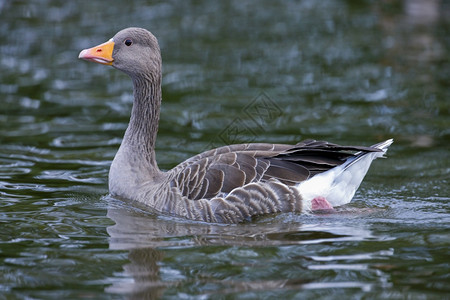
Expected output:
(134, 51)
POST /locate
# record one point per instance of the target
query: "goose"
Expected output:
(229, 184)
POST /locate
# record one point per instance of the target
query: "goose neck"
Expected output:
(142, 130)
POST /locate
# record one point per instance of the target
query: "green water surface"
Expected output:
(350, 72)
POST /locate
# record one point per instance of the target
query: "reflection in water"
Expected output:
(138, 229)
(146, 236)
(347, 71)
(144, 270)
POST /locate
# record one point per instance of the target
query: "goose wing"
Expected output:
(217, 172)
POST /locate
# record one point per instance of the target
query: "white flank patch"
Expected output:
(339, 184)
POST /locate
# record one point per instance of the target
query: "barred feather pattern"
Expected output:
(229, 184)
(234, 183)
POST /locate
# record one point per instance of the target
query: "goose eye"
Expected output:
(128, 42)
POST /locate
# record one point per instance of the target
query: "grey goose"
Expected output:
(229, 184)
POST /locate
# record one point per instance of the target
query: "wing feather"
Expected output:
(219, 172)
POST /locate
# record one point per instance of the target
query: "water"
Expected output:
(344, 71)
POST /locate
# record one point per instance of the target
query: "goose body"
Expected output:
(229, 184)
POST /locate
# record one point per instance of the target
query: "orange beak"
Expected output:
(101, 54)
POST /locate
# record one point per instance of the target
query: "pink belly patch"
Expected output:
(320, 203)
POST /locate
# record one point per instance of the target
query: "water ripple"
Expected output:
(339, 71)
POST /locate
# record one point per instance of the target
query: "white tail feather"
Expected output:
(338, 185)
